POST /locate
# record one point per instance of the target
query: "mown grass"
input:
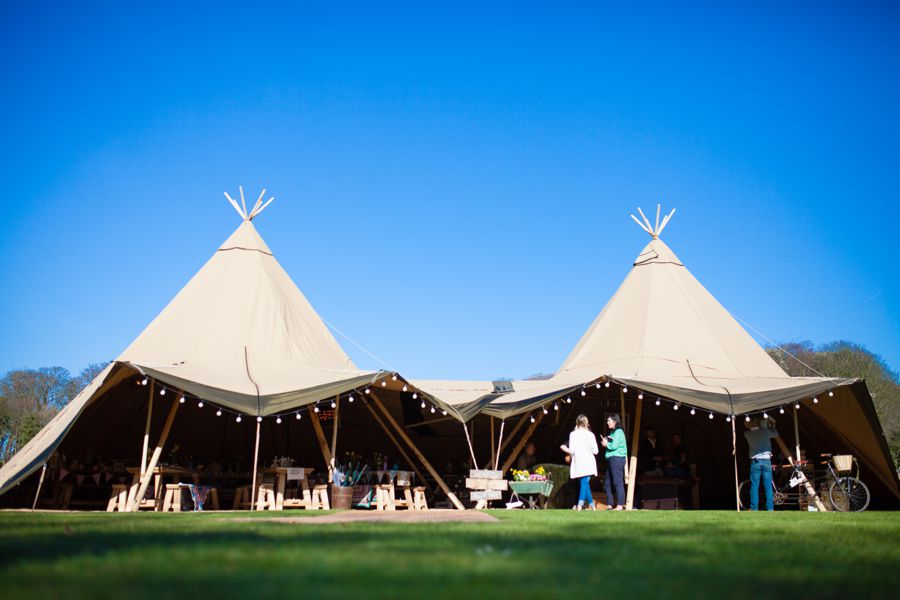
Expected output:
(549, 554)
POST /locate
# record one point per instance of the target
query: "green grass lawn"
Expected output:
(560, 554)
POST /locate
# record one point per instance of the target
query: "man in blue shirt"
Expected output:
(759, 437)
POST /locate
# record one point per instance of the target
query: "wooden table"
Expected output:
(281, 479)
(159, 475)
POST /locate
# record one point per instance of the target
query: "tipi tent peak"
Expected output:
(653, 230)
(242, 209)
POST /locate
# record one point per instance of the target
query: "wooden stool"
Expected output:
(64, 495)
(320, 498)
(419, 502)
(172, 499)
(213, 498)
(241, 497)
(265, 497)
(407, 500)
(384, 497)
(118, 498)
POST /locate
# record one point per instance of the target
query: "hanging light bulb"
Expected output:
(333, 404)
(532, 418)
(830, 393)
(367, 390)
(569, 400)
(796, 406)
(432, 409)
(238, 419)
(555, 406)
(200, 404)
(444, 412)
(350, 398)
(316, 409)
(606, 384)
(657, 402)
(415, 395)
(423, 404)
(219, 413)
(583, 393)
(728, 419)
(383, 383)
(781, 410)
(693, 411)
(162, 391)
(259, 419)
(765, 415)
(815, 400)
(710, 415)
(625, 389)
(598, 386)
(641, 396)
(545, 410)
(181, 400)
(676, 406)
(278, 420)
(144, 381)
(747, 418)
(405, 387)
(394, 377)
(299, 416)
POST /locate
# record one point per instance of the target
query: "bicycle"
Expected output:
(846, 491)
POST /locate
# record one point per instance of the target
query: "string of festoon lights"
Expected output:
(296, 413)
(604, 383)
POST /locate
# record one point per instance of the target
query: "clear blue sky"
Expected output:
(452, 184)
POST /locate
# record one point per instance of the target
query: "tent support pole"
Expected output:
(146, 440)
(37, 494)
(796, 435)
(737, 487)
(253, 485)
(632, 467)
(499, 442)
(146, 475)
(334, 431)
(419, 455)
(622, 415)
(469, 441)
(396, 443)
(512, 435)
(806, 484)
(525, 437)
(493, 446)
(320, 435)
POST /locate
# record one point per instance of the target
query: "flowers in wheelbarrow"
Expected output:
(539, 474)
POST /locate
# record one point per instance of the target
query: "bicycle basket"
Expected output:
(843, 463)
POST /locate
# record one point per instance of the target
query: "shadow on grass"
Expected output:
(552, 554)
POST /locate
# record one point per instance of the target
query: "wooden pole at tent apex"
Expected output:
(254, 488)
(396, 443)
(522, 441)
(437, 478)
(320, 435)
(37, 494)
(146, 475)
(334, 430)
(633, 462)
(147, 428)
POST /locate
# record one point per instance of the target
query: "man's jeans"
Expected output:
(763, 467)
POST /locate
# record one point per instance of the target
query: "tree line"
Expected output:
(29, 398)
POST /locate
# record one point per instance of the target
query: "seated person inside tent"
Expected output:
(650, 453)
(527, 458)
(676, 459)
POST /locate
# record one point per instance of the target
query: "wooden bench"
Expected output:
(320, 498)
(118, 498)
(172, 498)
(485, 485)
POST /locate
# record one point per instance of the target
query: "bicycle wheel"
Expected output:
(848, 494)
(744, 494)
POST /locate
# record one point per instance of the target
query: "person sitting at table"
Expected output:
(527, 459)
(650, 453)
(676, 458)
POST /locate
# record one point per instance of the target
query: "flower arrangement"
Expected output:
(524, 475)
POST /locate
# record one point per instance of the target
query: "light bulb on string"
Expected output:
(658, 402)
(162, 391)
(423, 404)
(728, 419)
(693, 411)
(545, 410)
(415, 395)
(316, 409)
(383, 383)
(569, 400)
(625, 389)
(444, 412)
(583, 393)
(555, 406)
(299, 416)
(781, 410)
(200, 404)
(333, 404)
(181, 400)
(711, 415)
(765, 415)
(278, 420)
(830, 393)
(405, 387)
(350, 398)
(796, 406)
(366, 390)
(598, 386)
(394, 377)
(676, 406)
(606, 384)
(219, 413)
(532, 418)
(432, 409)
(144, 381)
(641, 396)
(815, 400)
(747, 418)
(238, 420)
(259, 419)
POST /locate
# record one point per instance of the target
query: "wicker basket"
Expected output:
(843, 463)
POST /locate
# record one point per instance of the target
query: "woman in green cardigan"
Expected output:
(615, 463)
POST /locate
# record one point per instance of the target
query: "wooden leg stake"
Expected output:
(146, 447)
(334, 430)
(320, 435)
(525, 437)
(253, 486)
(737, 488)
(419, 455)
(37, 494)
(499, 442)
(632, 466)
(145, 476)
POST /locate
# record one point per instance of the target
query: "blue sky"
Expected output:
(452, 182)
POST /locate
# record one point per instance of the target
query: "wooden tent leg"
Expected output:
(320, 435)
(737, 488)
(146, 446)
(253, 485)
(145, 476)
(796, 435)
(334, 430)
(397, 444)
(493, 446)
(500, 441)
(632, 466)
(509, 438)
(37, 494)
(525, 437)
(622, 417)
(419, 455)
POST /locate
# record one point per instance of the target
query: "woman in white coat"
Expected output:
(582, 448)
